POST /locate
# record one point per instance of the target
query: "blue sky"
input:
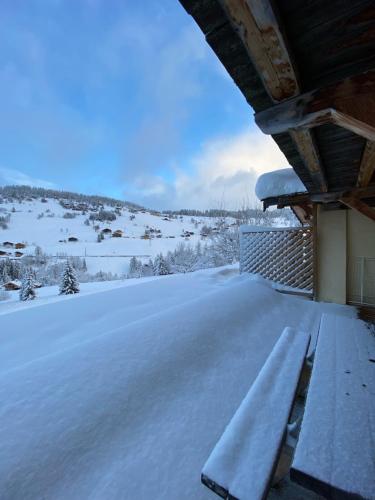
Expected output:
(125, 99)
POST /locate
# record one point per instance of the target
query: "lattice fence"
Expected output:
(281, 255)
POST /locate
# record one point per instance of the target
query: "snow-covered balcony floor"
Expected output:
(122, 394)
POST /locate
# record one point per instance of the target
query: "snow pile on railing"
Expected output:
(278, 183)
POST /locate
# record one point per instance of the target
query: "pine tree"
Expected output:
(135, 268)
(161, 267)
(69, 283)
(27, 291)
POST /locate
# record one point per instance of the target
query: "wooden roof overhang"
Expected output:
(307, 68)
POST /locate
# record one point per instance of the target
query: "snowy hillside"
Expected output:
(71, 227)
(37, 223)
(122, 394)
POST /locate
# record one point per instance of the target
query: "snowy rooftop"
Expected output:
(278, 183)
(120, 392)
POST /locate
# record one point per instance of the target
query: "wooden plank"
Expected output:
(334, 454)
(244, 460)
(367, 167)
(256, 24)
(306, 147)
(349, 104)
(359, 205)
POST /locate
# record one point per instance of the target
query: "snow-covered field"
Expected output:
(122, 393)
(49, 222)
(53, 232)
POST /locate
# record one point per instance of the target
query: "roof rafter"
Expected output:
(349, 103)
(257, 26)
(367, 166)
(359, 205)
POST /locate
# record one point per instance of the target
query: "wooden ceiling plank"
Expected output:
(367, 166)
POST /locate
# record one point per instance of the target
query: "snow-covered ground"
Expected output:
(52, 233)
(43, 223)
(123, 393)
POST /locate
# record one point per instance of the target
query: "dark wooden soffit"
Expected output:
(278, 50)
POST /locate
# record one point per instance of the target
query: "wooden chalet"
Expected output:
(12, 286)
(307, 69)
(117, 234)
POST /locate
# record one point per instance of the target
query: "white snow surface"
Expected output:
(278, 183)
(110, 255)
(336, 443)
(123, 393)
(243, 459)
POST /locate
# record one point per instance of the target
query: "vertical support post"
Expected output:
(315, 251)
(362, 276)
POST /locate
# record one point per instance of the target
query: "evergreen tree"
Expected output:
(27, 291)
(69, 283)
(135, 268)
(161, 267)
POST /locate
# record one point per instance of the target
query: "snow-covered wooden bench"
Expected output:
(243, 463)
(335, 454)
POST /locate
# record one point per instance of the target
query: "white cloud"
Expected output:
(10, 176)
(223, 173)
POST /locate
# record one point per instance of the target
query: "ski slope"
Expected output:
(122, 394)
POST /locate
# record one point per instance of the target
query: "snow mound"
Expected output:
(278, 183)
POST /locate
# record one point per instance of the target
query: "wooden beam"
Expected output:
(359, 205)
(287, 200)
(349, 104)
(257, 25)
(367, 166)
(308, 151)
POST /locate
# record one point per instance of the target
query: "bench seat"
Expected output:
(335, 454)
(242, 464)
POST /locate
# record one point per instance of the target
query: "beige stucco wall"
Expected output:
(343, 237)
(361, 258)
(331, 254)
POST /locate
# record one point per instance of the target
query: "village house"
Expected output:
(117, 234)
(12, 286)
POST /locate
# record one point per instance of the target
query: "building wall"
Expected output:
(345, 257)
(361, 258)
(331, 255)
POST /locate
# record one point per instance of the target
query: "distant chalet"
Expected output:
(117, 234)
(11, 286)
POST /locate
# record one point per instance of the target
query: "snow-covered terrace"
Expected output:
(124, 393)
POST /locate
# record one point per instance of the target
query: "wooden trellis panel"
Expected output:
(283, 255)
